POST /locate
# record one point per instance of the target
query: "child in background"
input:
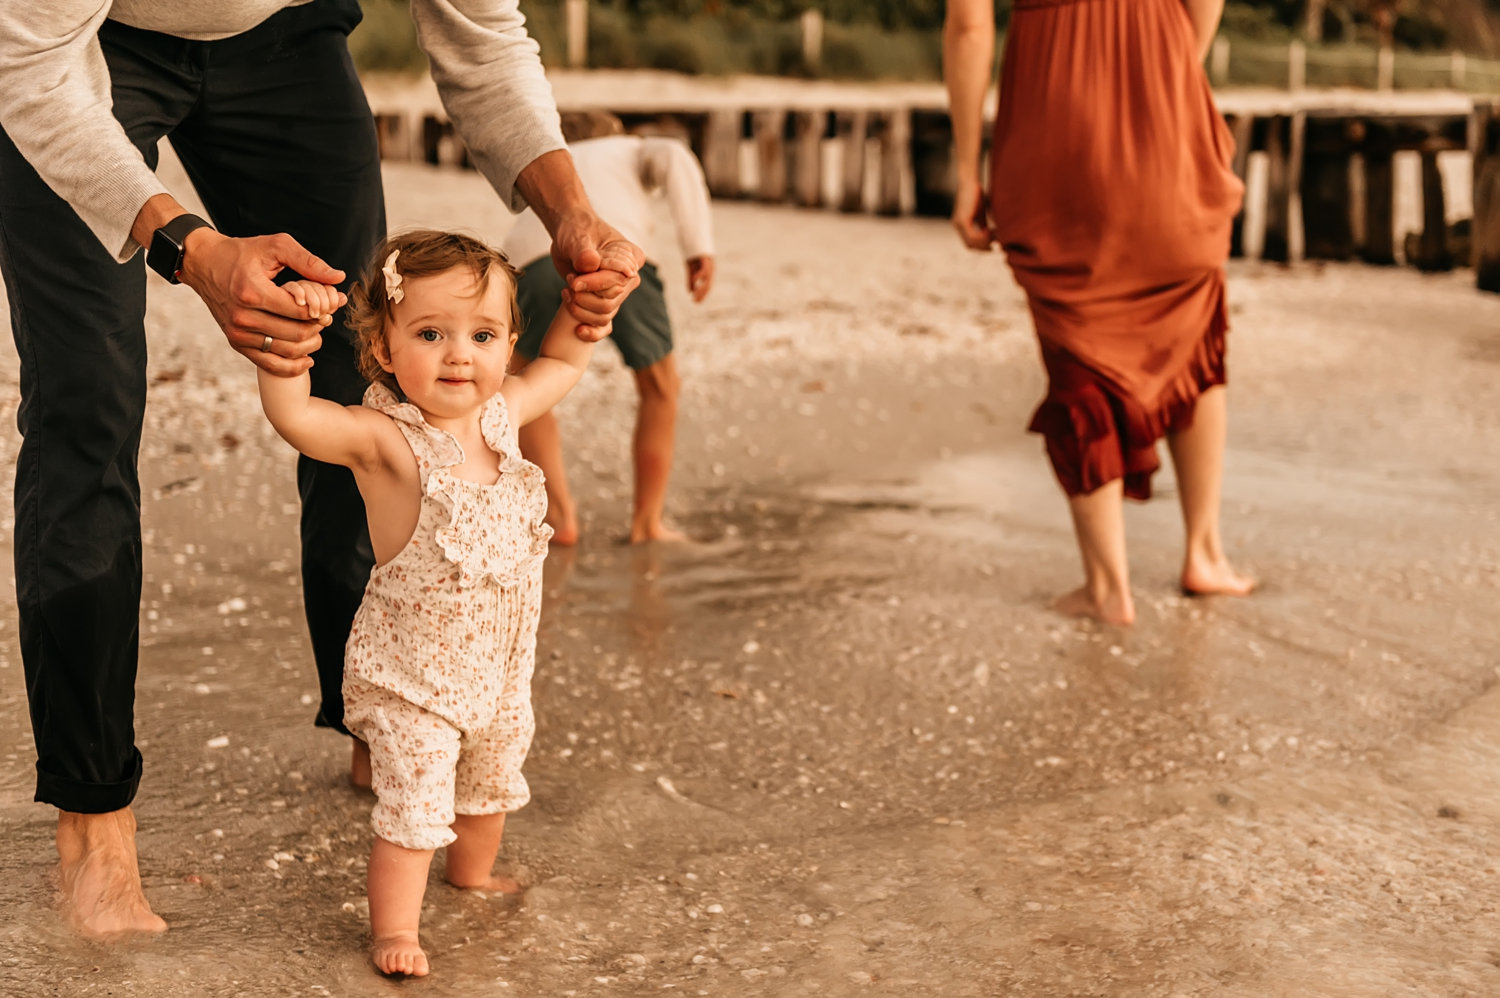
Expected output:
(620, 173)
(437, 677)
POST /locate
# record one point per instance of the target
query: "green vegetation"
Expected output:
(901, 39)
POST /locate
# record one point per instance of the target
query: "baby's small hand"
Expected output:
(320, 300)
(593, 334)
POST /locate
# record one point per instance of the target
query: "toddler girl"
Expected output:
(437, 674)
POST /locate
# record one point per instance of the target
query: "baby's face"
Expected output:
(449, 341)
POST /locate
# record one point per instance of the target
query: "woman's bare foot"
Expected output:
(359, 765)
(100, 875)
(641, 533)
(1202, 577)
(399, 954)
(495, 883)
(1114, 608)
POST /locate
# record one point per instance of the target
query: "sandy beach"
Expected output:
(840, 746)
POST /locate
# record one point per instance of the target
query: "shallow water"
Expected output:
(841, 747)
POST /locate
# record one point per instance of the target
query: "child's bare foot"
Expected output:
(100, 875)
(359, 764)
(399, 954)
(641, 533)
(1114, 608)
(1202, 577)
(564, 527)
(495, 883)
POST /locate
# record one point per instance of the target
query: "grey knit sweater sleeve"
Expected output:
(55, 102)
(55, 105)
(489, 75)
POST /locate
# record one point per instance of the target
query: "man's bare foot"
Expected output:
(564, 527)
(359, 765)
(495, 883)
(1215, 578)
(641, 533)
(399, 954)
(100, 875)
(1117, 609)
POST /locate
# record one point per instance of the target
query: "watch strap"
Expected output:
(165, 253)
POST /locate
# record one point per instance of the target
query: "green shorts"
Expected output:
(642, 331)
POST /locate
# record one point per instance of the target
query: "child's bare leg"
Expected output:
(541, 444)
(1099, 524)
(471, 857)
(359, 764)
(397, 882)
(655, 437)
(100, 874)
(1198, 455)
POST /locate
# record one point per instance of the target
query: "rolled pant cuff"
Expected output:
(80, 797)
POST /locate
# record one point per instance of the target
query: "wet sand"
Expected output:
(841, 747)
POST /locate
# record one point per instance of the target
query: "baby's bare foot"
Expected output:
(399, 954)
(494, 882)
(1117, 609)
(359, 765)
(1215, 578)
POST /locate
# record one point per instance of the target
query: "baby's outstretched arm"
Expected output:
(561, 361)
(323, 430)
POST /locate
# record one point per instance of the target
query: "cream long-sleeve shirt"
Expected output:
(621, 173)
(55, 101)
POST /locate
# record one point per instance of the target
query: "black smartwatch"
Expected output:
(165, 252)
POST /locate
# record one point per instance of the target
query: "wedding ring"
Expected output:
(266, 346)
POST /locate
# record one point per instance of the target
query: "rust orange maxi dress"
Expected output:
(1112, 195)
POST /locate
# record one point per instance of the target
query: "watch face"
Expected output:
(164, 256)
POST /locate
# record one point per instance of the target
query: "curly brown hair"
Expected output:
(423, 253)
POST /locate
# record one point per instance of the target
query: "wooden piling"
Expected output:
(770, 154)
(1433, 251)
(392, 138)
(1484, 130)
(1379, 150)
(934, 173)
(852, 129)
(808, 128)
(1284, 140)
(1327, 226)
(894, 131)
(721, 152)
(1242, 127)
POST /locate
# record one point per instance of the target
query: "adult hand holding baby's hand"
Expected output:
(601, 267)
(234, 277)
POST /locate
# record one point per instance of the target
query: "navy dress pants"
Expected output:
(273, 128)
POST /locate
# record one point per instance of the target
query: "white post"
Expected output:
(812, 38)
(576, 14)
(1460, 70)
(1218, 61)
(1385, 69)
(1296, 65)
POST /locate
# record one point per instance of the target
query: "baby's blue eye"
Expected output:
(483, 336)
(430, 335)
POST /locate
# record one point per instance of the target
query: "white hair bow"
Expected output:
(393, 289)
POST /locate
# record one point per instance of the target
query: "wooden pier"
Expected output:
(1328, 190)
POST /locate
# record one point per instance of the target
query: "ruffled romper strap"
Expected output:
(432, 447)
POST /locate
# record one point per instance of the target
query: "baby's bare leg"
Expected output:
(471, 857)
(541, 444)
(397, 882)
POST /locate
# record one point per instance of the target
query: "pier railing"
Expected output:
(1327, 185)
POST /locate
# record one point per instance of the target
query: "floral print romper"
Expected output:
(437, 671)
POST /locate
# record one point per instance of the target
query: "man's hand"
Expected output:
(700, 276)
(971, 218)
(234, 277)
(600, 266)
